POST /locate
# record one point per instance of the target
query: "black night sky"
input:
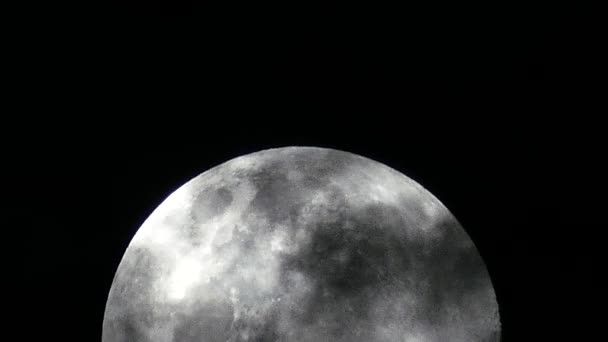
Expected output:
(463, 97)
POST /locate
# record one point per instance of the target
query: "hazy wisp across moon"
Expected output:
(301, 244)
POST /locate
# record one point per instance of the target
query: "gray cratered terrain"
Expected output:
(301, 244)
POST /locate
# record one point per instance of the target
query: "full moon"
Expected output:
(301, 244)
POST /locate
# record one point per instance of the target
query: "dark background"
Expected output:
(464, 97)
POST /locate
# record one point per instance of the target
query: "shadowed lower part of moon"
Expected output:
(301, 244)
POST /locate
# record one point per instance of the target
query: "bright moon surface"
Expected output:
(301, 244)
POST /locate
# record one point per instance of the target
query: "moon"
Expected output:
(301, 244)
